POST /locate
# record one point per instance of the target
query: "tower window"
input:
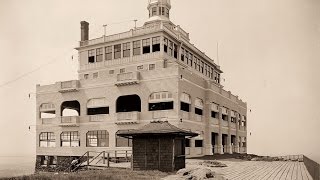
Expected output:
(117, 51)
(152, 66)
(156, 44)
(136, 47)
(170, 48)
(191, 59)
(167, 12)
(195, 62)
(109, 53)
(126, 49)
(145, 46)
(91, 56)
(99, 55)
(154, 11)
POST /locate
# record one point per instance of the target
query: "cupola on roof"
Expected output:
(159, 10)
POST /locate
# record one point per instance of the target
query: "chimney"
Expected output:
(84, 30)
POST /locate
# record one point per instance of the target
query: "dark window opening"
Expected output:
(130, 103)
(99, 110)
(198, 143)
(123, 142)
(91, 56)
(175, 52)
(146, 46)
(165, 45)
(233, 119)
(160, 106)
(187, 142)
(156, 44)
(185, 107)
(182, 54)
(224, 117)
(198, 111)
(214, 114)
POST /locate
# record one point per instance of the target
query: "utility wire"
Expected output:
(56, 58)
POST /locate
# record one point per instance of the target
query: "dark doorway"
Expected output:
(214, 140)
(130, 103)
(224, 142)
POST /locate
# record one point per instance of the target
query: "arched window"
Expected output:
(160, 101)
(47, 110)
(97, 106)
(70, 108)
(130, 103)
(47, 139)
(185, 100)
(98, 139)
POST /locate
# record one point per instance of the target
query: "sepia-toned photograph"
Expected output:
(160, 89)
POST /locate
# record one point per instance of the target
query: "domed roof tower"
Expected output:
(159, 10)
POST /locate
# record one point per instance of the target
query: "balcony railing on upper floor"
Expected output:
(128, 117)
(215, 121)
(233, 125)
(198, 117)
(99, 118)
(225, 123)
(69, 121)
(242, 128)
(69, 86)
(163, 114)
(185, 115)
(129, 78)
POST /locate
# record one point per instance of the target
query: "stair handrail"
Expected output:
(95, 157)
(79, 162)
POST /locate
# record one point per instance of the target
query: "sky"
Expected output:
(269, 51)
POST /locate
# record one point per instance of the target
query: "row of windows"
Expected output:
(122, 70)
(124, 50)
(193, 61)
(72, 139)
(159, 11)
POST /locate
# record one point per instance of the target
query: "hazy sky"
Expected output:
(269, 52)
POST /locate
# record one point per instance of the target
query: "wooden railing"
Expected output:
(312, 167)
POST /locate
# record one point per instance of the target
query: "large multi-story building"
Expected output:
(128, 79)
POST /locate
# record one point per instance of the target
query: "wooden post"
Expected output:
(108, 159)
(126, 156)
(88, 160)
(104, 157)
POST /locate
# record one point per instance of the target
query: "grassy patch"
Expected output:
(110, 174)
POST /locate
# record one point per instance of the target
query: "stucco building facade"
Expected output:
(128, 79)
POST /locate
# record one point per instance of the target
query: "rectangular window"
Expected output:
(108, 53)
(123, 142)
(198, 143)
(95, 75)
(91, 56)
(224, 117)
(123, 70)
(98, 139)
(154, 11)
(111, 71)
(160, 106)
(99, 55)
(117, 51)
(187, 142)
(214, 114)
(198, 111)
(126, 49)
(185, 107)
(202, 68)
(86, 76)
(47, 139)
(156, 44)
(175, 51)
(152, 66)
(140, 67)
(191, 59)
(170, 48)
(165, 45)
(233, 119)
(136, 48)
(145, 46)
(70, 139)
(182, 54)
(187, 56)
(97, 111)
